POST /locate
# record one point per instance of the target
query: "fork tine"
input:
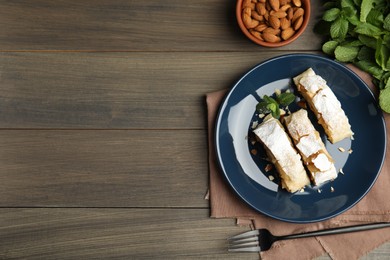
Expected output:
(245, 247)
(245, 242)
(251, 233)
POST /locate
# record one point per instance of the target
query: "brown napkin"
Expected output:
(375, 207)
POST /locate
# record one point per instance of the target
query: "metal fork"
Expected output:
(262, 239)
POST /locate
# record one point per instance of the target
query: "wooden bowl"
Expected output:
(270, 37)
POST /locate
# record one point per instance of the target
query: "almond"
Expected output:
(246, 11)
(283, 2)
(266, 16)
(268, 37)
(287, 33)
(256, 16)
(290, 13)
(261, 27)
(271, 30)
(275, 4)
(256, 34)
(248, 21)
(284, 23)
(298, 23)
(260, 8)
(267, 6)
(298, 13)
(274, 21)
(246, 3)
(280, 14)
(297, 3)
(284, 7)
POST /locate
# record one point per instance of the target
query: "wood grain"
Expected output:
(114, 234)
(92, 233)
(115, 90)
(173, 25)
(103, 168)
(103, 126)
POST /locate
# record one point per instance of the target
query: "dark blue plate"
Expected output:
(245, 172)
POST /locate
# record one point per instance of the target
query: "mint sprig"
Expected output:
(359, 33)
(272, 105)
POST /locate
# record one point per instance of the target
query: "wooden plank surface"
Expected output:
(103, 126)
(110, 168)
(53, 233)
(101, 233)
(172, 25)
(115, 90)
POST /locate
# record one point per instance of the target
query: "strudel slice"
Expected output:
(307, 140)
(281, 153)
(324, 104)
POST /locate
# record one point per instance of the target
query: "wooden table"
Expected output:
(103, 126)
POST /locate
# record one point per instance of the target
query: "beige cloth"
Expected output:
(375, 207)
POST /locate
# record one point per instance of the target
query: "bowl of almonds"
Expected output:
(273, 23)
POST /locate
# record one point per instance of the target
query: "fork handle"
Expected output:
(338, 230)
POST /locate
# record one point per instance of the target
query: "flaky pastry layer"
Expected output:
(325, 105)
(282, 154)
(307, 140)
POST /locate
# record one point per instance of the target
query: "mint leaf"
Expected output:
(346, 53)
(348, 3)
(367, 40)
(275, 111)
(285, 98)
(370, 67)
(381, 5)
(354, 19)
(382, 55)
(385, 82)
(384, 99)
(329, 47)
(262, 108)
(274, 108)
(386, 23)
(331, 14)
(375, 17)
(365, 8)
(368, 29)
(339, 28)
(387, 65)
(348, 11)
(386, 39)
(269, 100)
(352, 43)
(268, 105)
(366, 53)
